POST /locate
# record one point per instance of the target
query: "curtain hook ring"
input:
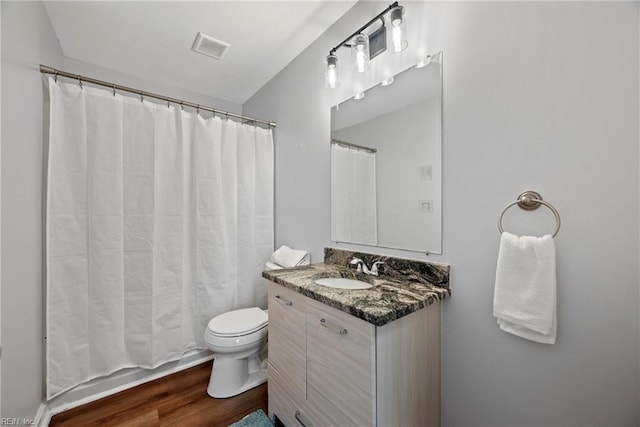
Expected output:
(181, 106)
(226, 115)
(114, 89)
(168, 104)
(80, 81)
(197, 109)
(141, 96)
(55, 76)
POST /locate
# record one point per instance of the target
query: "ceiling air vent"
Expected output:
(209, 46)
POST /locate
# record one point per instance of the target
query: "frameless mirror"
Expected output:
(386, 163)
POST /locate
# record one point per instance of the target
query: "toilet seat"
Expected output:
(238, 323)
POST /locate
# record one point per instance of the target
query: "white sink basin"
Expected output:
(342, 283)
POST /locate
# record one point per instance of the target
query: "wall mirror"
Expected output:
(386, 163)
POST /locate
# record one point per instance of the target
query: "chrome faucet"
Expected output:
(358, 262)
(374, 268)
(362, 266)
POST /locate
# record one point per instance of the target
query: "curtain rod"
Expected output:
(49, 70)
(352, 145)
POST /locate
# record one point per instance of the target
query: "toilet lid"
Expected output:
(239, 322)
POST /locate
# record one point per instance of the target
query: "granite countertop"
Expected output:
(392, 296)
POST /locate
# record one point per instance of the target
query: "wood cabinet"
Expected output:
(328, 368)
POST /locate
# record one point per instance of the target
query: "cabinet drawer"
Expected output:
(289, 409)
(287, 342)
(340, 367)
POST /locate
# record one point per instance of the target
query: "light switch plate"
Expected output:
(426, 173)
(425, 206)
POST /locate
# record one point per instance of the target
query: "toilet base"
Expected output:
(230, 377)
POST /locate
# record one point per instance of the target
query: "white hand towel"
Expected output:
(287, 257)
(524, 300)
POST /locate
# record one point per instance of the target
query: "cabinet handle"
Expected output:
(283, 301)
(339, 331)
(298, 416)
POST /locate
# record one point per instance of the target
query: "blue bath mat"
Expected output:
(255, 419)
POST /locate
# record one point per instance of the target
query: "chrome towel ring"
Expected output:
(530, 200)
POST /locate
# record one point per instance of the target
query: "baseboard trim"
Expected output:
(115, 383)
(43, 416)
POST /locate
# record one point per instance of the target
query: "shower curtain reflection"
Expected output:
(353, 194)
(157, 220)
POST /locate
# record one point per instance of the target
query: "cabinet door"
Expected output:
(341, 383)
(408, 374)
(287, 345)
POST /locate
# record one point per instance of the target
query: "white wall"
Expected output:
(147, 84)
(538, 95)
(27, 41)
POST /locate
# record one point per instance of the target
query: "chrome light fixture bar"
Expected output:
(361, 44)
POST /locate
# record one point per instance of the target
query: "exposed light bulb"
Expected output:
(360, 61)
(396, 36)
(331, 75)
(360, 53)
(398, 41)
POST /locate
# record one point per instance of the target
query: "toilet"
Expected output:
(239, 340)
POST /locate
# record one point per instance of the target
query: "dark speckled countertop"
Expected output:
(404, 286)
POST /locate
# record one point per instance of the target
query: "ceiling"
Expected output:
(153, 39)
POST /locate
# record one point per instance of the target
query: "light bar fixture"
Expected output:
(364, 47)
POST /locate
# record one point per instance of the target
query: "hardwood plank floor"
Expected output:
(179, 399)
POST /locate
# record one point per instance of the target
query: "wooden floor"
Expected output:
(179, 399)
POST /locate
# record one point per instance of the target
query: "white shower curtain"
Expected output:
(354, 216)
(157, 220)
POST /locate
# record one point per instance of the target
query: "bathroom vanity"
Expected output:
(361, 357)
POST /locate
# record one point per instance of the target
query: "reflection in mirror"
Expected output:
(386, 163)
